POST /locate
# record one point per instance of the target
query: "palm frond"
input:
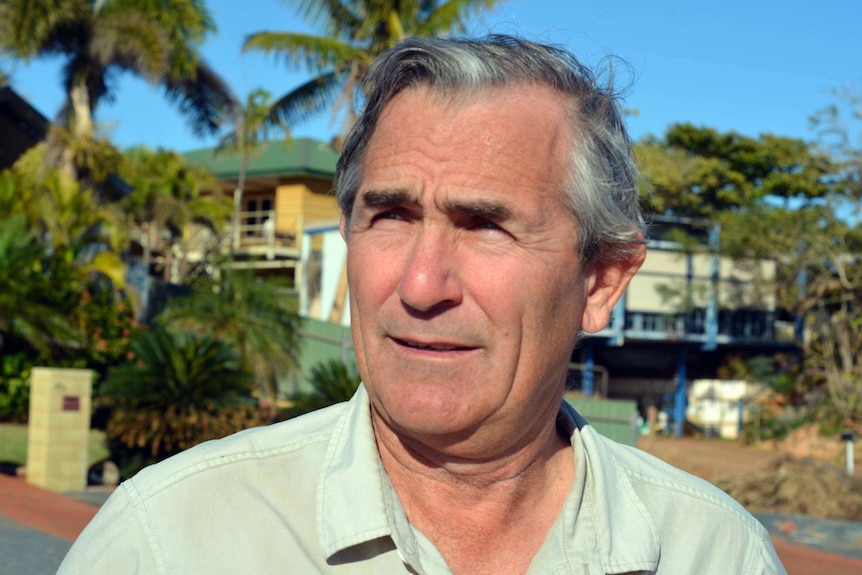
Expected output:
(315, 52)
(448, 17)
(131, 42)
(335, 17)
(254, 315)
(306, 100)
(28, 27)
(205, 99)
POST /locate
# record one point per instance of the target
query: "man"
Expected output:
(490, 213)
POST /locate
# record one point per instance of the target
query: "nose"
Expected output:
(430, 281)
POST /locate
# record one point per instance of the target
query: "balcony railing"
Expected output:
(258, 233)
(744, 325)
(263, 228)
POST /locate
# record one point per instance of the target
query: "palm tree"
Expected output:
(100, 39)
(331, 382)
(66, 211)
(354, 33)
(167, 198)
(252, 125)
(181, 389)
(254, 315)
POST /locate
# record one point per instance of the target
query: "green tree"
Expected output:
(61, 297)
(838, 128)
(253, 124)
(29, 307)
(180, 389)
(835, 294)
(71, 216)
(101, 39)
(255, 315)
(353, 34)
(702, 173)
(789, 201)
(171, 201)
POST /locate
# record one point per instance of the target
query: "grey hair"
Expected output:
(602, 182)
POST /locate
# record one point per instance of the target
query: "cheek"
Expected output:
(373, 279)
(557, 305)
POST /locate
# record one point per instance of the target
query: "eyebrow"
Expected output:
(494, 211)
(473, 208)
(384, 198)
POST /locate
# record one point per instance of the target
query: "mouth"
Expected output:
(439, 347)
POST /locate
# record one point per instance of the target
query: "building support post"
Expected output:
(680, 398)
(588, 375)
(712, 303)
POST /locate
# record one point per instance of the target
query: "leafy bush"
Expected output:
(15, 387)
(331, 381)
(107, 321)
(180, 390)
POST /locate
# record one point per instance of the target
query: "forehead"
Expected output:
(512, 135)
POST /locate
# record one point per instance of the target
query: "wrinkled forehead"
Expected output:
(518, 129)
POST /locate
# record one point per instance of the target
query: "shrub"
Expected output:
(180, 390)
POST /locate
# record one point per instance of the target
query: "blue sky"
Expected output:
(755, 66)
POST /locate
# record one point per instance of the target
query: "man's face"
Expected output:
(466, 289)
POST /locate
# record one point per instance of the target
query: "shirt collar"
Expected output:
(356, 504)
(351, 507)
(622, 533)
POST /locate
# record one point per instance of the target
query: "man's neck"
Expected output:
(489, 512)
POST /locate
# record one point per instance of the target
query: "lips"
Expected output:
(431, 346)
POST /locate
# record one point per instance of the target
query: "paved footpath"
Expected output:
(37, 528)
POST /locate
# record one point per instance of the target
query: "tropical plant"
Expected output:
(354, 32)
(255, 315)
(15, 386)
(331, 382)
(170, 199)
(29, 307)
(180, 389)
(253, 124)
(106, 319)
(66, 212)
(62, 298)
(101, 39)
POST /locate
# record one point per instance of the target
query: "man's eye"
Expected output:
(483, 224)
(388, 215)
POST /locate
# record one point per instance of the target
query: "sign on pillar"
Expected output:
(59, 428)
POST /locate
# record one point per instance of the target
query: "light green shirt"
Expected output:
(310, 496)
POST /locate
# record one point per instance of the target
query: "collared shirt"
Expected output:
(310, 496)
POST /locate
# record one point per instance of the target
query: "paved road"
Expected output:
(827, 535)
(28, 551)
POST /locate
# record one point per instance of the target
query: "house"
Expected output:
(21, 127)
(286, 188)
(687, 313)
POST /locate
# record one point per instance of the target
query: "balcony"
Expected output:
(262, 234)
(741, 326)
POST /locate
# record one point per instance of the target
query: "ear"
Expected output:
(342, 227)
(606, 282)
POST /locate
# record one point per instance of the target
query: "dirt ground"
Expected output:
(711, 459)
(716, 460)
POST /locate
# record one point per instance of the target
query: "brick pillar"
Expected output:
(59, 428)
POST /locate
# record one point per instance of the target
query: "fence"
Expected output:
(613, 418)
(321, 341)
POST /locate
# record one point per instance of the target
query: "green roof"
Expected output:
(298, 157)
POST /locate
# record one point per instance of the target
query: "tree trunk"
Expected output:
(79, 125)
(237, 202)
